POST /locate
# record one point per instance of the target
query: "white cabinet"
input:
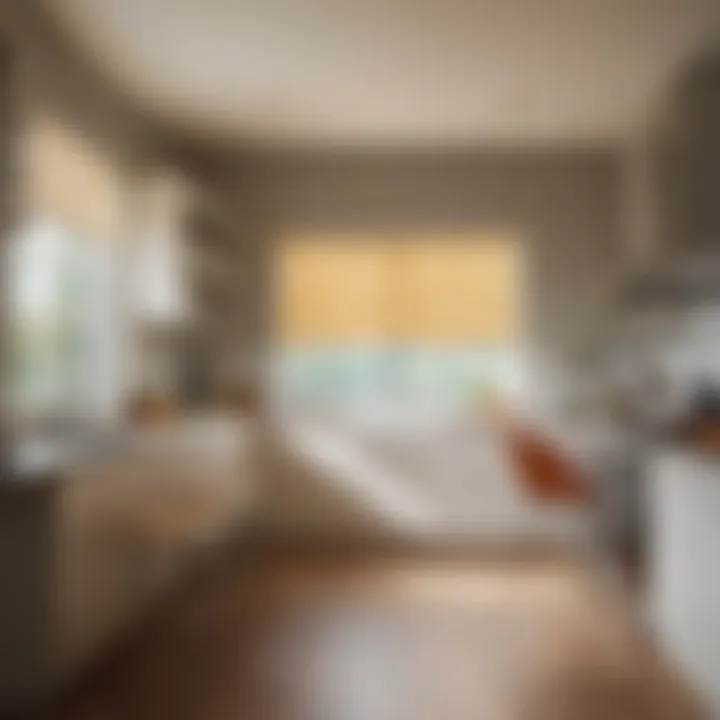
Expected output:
(684, 592)
(93, 547)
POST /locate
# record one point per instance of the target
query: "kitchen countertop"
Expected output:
(43, 460)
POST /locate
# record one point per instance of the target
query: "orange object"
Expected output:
(546, 472)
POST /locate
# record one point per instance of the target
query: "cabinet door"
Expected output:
(104, 558)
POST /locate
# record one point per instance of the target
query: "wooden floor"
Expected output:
(310, 637)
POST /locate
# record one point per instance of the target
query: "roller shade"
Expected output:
(68, 179)
(459, 292)
(335, 291)
(428, 288)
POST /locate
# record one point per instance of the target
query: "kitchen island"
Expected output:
(90, 540)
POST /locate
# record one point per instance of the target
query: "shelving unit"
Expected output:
(217, 281)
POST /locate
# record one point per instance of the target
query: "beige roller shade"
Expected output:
(447, 288)
(458, 291)
(334, 290)
(68, 179)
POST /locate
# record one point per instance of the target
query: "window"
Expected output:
(423, 318)
(57, 290)
(62, 281)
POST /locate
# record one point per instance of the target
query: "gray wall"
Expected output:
(53, 72)
(566, 205)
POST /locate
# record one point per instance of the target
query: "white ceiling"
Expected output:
(437, 72)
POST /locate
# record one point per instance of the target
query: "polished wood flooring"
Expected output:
(308, 636)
